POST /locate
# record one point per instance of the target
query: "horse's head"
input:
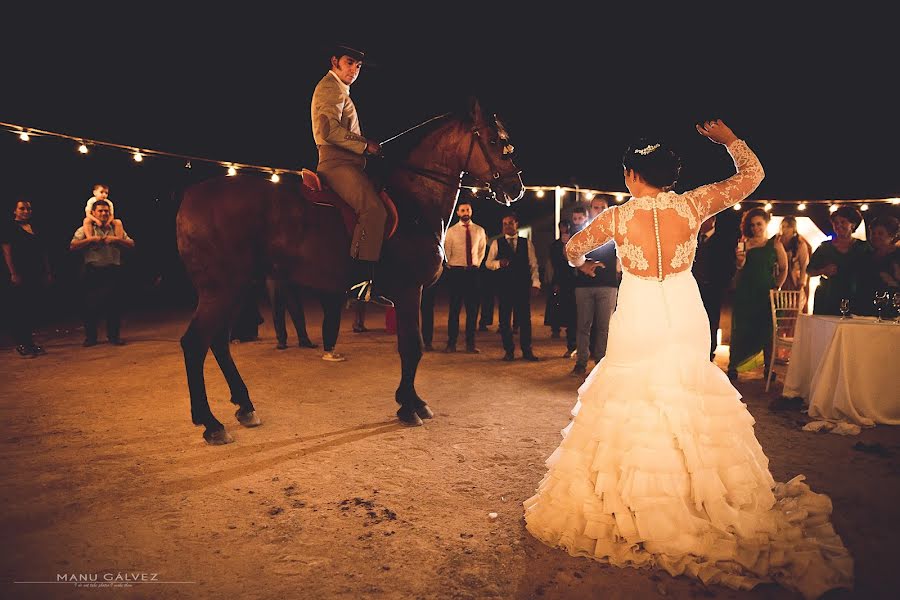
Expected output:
(490, 158)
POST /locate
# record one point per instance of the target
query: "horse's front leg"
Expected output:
(409, 343)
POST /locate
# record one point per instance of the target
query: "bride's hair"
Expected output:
(653, 160)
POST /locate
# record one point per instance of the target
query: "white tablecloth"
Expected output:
(846, 370)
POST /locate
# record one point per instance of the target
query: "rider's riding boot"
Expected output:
(362, 288)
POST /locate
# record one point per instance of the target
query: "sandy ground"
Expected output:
(104, 475)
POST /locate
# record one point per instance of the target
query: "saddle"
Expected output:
(317, 193)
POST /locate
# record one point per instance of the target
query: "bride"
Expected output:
(660, 467)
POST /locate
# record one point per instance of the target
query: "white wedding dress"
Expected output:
(660, 466)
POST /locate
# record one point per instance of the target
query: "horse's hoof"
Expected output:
(219, 437)
(424, 412)
(250, 419)
(408, 417)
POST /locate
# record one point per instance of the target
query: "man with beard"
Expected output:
(464, 247)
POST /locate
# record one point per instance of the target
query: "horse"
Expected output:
(232, 229)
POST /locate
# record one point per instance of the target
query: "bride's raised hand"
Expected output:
(716, 131)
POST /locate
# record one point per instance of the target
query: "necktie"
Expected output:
(468, 245)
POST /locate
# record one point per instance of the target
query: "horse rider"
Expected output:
(342, 158)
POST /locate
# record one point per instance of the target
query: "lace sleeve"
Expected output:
(598, 232)
(709, 199)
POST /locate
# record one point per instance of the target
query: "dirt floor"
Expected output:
(105, 478)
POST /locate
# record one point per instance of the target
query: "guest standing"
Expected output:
(102, 279)
(513, 259)
(837, 261)
(879, 270)
(713, 269)
(25, 256)
(762, 266)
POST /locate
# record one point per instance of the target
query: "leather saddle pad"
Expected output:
(317, 193)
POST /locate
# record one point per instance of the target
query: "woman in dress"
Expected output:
(798, 251)
(561, 303)
(25, 258)
(837, 261)
(761, 266)
(660, 467)
(879, 271)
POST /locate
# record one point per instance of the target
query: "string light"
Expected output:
(83, 147)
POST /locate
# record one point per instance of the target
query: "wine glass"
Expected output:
(880, 301)
(845, 307)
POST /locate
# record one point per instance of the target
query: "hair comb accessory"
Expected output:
(646, 150)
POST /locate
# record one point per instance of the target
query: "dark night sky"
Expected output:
(808, 91)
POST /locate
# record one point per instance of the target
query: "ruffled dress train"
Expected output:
(661, 468)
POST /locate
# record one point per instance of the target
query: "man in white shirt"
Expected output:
(464, 247)
(515, 261)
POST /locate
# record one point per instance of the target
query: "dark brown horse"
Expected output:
(232, 229)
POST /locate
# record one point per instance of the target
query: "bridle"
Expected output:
(448, 180)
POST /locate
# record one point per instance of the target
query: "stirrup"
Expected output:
(362, 292)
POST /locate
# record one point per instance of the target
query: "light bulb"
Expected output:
(589, 195)
(24, 136)
(737, 206)
(801, 206)
(232, 171)
(138, 157)
(864, 207)
(187, 165)
(83, 148)
(275, 178)
(768, 206)
(539, 193)
(832, 208)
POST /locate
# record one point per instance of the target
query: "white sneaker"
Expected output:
(334, 357)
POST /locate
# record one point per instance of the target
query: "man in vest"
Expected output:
(514, 260)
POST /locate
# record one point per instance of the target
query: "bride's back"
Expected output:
(656, 236)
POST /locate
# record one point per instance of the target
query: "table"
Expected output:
(846, 370)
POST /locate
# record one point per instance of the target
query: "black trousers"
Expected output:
(332, 306)
(712, 302)
(488, 286)
(102, 289)
(463, 284)
(284, 295)
(21, 310)
(515, 303)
